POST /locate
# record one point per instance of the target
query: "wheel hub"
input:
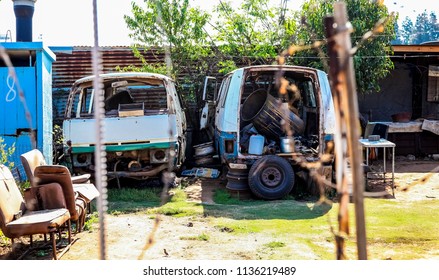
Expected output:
(271, 177)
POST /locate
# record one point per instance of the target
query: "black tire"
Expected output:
(271, 177)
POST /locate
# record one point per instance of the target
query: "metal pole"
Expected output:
(99, 155)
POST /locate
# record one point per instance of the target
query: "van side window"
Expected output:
(307, 88)
(83, 103)
(223, 90)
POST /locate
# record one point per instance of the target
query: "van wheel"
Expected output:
(271, 177)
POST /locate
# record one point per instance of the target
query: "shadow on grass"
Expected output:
(231, 206)
(288, 209)
(218, 203)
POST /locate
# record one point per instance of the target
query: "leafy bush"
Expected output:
(6, 153)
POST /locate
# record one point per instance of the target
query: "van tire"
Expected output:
(271, 177)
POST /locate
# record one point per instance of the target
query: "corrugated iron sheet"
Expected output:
(69, 67)
(74, 63)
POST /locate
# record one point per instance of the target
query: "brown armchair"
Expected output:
(16, 220)
(34, 158)
(75, 203)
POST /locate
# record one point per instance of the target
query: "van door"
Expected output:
(180, 119)
(207, 115)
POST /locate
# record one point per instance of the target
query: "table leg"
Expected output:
(367, 156)
(384, 163)
(393, 171)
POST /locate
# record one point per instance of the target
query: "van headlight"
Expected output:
(81, 159)
(159, 155)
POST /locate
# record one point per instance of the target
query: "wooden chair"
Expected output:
(16, 220)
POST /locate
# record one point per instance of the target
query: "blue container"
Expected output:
(256, 146)
(27, 125)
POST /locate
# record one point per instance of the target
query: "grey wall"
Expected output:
(395, 95)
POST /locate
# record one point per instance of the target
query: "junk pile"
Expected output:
(204, 154)
(267, 118)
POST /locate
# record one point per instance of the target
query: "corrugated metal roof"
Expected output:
(73, 63)
(70, 66)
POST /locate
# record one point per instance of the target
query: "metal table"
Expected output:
(382, 143)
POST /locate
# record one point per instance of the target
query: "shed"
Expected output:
(411, 88)
(26, 101)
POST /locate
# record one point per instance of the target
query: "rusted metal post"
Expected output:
(348, 150)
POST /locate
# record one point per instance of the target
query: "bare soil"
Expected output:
(127, 235)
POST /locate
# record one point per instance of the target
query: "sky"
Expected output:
(70, 23)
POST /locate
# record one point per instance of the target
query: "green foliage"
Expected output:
(255, 33)
(129, 200)
(372, 62)
(90, 221)
(252, 34)
(6, 153)
(159, 67)
(179, 30)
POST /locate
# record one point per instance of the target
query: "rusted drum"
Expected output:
(265, 112)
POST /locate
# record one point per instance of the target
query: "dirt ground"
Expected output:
(126, 235)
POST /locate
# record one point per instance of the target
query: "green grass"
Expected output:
(201, 237)
(177, 206)
(128, 200)
(395, 229)
(402, 231)
(274, 244)
(302, 229)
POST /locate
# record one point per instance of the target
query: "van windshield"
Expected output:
(142, 97)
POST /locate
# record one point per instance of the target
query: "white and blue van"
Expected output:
(144, 123)
(268, 130)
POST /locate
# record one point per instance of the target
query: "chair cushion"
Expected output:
(52, 196)
(34, 222)
(58, 174)
(31, 199)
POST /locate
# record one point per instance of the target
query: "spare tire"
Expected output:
(271, 177)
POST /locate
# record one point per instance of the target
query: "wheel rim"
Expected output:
(271, 177)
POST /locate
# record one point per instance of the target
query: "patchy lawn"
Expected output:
(195, 224)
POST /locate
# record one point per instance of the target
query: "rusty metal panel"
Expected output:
(76, 62)
(70, 66)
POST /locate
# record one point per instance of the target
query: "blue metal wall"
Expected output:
(19, 117)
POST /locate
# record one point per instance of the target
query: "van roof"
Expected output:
(278, 67)
(124, 75)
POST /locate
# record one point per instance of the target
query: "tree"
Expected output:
(372, 62)
(407, 31)
(426, 28)
(255, 33)
(177, 29)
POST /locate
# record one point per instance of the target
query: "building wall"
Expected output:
(395, 95)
